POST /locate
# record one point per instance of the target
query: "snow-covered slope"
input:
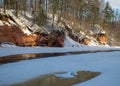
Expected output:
(71, 43)
(25, 23)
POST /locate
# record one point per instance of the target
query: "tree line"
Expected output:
(94, 11)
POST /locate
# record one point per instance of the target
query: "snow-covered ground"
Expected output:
(27, 50)
(106, 62)
(70, 43)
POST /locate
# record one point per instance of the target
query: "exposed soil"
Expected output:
(52, 80)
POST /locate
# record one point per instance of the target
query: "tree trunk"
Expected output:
(4, 6)
(16, 8)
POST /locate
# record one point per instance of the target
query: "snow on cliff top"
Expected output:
(23, 21)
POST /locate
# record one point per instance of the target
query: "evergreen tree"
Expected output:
(108, 13)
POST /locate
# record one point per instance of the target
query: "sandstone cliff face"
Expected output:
(10, 34)
(15, 35)
(101, 38)
(25, 40)
(54, 39)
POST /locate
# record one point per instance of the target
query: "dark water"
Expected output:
(52, 80)
(20, 57)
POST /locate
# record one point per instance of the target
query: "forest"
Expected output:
(59, 43)
(81, 14)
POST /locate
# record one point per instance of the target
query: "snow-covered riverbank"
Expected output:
(105, 62)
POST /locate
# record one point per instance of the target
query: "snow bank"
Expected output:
(24, 50)
(70, 43)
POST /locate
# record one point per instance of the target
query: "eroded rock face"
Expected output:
(15, 35)
(54, 39)
(27, 40)
(10, 34)
(85, 41)
(101, 38)
(4, 17)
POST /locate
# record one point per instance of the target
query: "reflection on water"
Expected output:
(16, 58)
(20, 57)
(51, 80)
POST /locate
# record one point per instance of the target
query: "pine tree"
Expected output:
(108, 13)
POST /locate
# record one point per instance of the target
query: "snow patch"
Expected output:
(70, 43)
(26, 31)
(1, 23)
(35, 28)
(66, 75)
(97, 29)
